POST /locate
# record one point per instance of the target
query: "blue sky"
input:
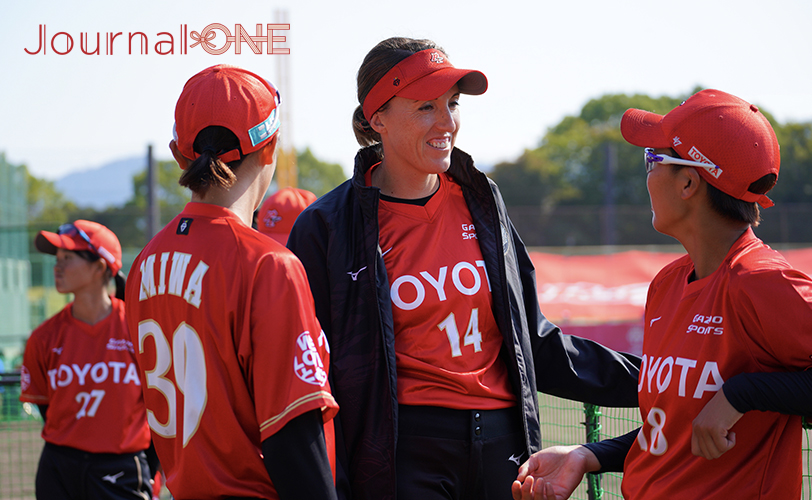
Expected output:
(544, 60)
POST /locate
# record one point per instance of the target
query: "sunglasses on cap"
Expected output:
(71, 230)
(651, 158)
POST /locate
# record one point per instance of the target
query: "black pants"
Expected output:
(68, 473)
(446, 454)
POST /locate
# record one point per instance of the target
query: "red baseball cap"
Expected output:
(83, 235)
(230, 97)
(716, 128)
(279, 211)
(423, 76)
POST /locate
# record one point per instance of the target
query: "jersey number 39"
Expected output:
(188, 362)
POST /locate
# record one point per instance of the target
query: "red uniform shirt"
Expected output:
(230, 347)
(753, 314)
(446, 340)
(88, 377)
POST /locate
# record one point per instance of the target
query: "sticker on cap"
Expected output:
(695, 155)
(106, 254)
(271, 218)
(265, 129)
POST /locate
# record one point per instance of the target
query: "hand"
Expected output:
(553, 473)
(532, 489)
(711, 436)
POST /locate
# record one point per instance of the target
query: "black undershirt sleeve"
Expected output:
(783, 392)
(296, 459)
(43, 410)
(611, 453)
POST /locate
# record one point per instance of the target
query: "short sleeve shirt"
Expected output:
(753, 314)
(447, 343)
(87, 375)
(227, 337)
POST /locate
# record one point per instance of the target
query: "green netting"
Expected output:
(563, 422)
(567, 422)
(20, 443)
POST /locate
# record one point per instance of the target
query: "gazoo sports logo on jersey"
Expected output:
(707, 325)
(309, 366)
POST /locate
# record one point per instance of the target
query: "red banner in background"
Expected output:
(602, 297)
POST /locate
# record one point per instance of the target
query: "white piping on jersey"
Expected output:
(654, 319)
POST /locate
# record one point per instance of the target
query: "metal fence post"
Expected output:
(593, 434)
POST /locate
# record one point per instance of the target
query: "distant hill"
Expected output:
(101, 187)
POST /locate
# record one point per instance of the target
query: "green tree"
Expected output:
(317, 176)
(47, 206)
(795, 184)
(583, 160)
(130, 220)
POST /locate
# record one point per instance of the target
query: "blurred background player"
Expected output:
(234, 360)
(278, 212)
(428, 297)
(79, 368)
(726, 326)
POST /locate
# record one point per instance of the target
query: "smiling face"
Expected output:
(72, 273)
(418, 136)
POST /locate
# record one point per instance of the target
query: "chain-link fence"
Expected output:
(563, 422)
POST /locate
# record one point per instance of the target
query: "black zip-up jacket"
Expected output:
(336, 239)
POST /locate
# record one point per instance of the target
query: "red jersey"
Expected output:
(229, 347)
(753, 314)
(88, 377)
(446, 340)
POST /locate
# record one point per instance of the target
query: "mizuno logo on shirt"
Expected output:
(112, 478)
(516, 459)
(354, 275)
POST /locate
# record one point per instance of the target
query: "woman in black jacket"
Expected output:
(428, 298)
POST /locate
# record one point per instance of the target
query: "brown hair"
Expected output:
(207, 169)
(119, 278)
(740, 210)
(377, 63)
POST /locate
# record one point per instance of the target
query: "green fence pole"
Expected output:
(593, 434)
